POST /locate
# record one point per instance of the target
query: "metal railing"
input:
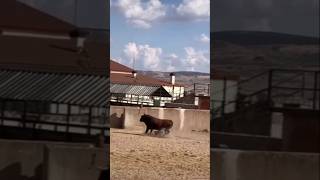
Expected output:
(278, 87)
(69, 123)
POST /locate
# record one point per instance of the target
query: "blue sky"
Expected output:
(161, 35)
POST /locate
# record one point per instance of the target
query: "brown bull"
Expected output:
(155, 123)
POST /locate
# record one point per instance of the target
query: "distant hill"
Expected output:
(187, 78)
(247, 53)
(262, 38)
(177, 73)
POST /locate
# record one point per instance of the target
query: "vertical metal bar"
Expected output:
(89, 120)
(68, 118)
(75, 18)
(315, 91)
(160, 97)
(57, 108)
(42, 111)
(224, 95)
(24, 116)
(3, 108)
(57, 112)
(303, 84)
(270, 86)
(173, 96)
(130, 98)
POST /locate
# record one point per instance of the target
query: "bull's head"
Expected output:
(143, 118)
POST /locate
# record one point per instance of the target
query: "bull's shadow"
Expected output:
(136, 134)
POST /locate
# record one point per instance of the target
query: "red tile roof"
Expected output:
(52, 55)
(15, 15)
(118, 78)
(115, 66)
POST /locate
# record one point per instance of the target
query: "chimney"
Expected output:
(80, 37)
(173, 78)
(134, 74)
(80, 42)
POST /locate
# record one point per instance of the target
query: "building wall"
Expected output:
(217, 90)
(176, 91)
(144, 100)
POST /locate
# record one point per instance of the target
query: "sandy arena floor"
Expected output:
(140, 157)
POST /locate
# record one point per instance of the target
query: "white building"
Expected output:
(130, 87)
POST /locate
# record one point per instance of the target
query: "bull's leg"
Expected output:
(167, 131)
(147, 129)
(162, 132)
(151, 131)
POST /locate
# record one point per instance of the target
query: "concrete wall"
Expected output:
(30, 160)
(183, 119)
(245, 142)
(253, 165)
(68, 163)
(20, 159)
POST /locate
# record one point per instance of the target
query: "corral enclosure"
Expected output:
(183, 119)
(183, 154)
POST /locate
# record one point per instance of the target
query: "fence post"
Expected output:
(3, 103)
(89, 121)
(271, 72)
(315, 91)
(24, 116)
(223, 103)
(68, 118)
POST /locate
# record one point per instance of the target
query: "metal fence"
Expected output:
(280, 88)
(57, 102)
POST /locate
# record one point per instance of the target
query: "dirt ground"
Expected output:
(178, 156)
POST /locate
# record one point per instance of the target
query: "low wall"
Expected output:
(19, 159)
(37, 160)
(245, 142)
(183, 119)
(263, 165)
(74, 163)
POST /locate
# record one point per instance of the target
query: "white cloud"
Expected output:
(171, 68)
(141, 14)
(152, 58)
(172, 62)
(173, 56)
(140, 24)
(196, 59)
(145, 55)
(204, 38)
(194, 9)
(131, 51)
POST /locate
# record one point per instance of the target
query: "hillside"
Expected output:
(247, 53)
(262, 38)
(186, 78)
